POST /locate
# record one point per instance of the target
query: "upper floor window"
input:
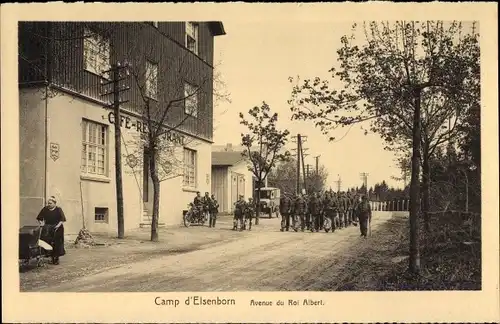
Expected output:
(192, 36)
(94, 148)
(191, 99)
(96, 53)
(151, 80)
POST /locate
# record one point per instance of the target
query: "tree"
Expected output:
(385, 79)
(159, 144)
(264, 144)
(284, 175)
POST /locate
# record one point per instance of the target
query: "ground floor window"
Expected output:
(189, 168)
(94, 148)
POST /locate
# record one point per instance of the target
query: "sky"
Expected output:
(255, 61)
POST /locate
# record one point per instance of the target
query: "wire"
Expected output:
(336, 141)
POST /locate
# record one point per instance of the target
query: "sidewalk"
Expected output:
(136, 246)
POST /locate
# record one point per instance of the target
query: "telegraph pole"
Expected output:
(117, 76)
(317, 163)
(303, 139)
(297, 189)
(339, 183)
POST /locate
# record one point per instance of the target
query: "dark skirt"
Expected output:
(55, 237)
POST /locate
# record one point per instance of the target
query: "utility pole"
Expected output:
(339, 183)
(117, 76)
(364, 177)
(317, 164)
(297, 138)
(303, 139)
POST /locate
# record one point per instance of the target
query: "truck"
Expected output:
(269, 200)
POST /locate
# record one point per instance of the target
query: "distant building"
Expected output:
(230, 178)
(67, 137)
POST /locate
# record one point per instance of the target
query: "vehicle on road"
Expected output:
(193, 216)
(269, 200)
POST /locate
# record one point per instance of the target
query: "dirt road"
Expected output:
(261, 260)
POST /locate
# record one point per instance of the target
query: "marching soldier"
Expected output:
(364, 214)
(249, 214)
(239, 213)
(285, 211)
(298, 212)
(314, 210)
(214, 210)
(328, 210)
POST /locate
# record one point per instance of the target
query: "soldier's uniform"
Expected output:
(285, 209)
(214, 210)
(300, 213)
(340, 210)
(328, 212)
(314, 210)
(249, 214)
(364, 213)
(239, 214)
(206, 202)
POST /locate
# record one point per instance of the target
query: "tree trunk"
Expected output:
(156, 196)
(426, 185)
(414, 261)
(257, 209)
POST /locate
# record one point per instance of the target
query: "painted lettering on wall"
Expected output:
(129, 123)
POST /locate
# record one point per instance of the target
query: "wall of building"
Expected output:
(174, 196)
(65, 180)
(240, 168)
(219, 187)
(32, 153)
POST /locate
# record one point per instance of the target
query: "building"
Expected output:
(67, 129)
(230, 177)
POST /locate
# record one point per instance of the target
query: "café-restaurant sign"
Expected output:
(137, 125)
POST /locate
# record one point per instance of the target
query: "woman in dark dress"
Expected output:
(51, 217)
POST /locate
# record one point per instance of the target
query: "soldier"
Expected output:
(314, 210)
(249, 214)
(307, 216)
(214, 210)
(355, 202)
(299, 212)
(340, 209)
(328, 212)
(285, 210)
(239, 213)
(198, 204)
(206, 206)
(364, 214)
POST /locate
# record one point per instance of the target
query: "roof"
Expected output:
(226, 158)
(217, 28)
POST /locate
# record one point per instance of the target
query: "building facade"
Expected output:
(67, 128)
(230, 179)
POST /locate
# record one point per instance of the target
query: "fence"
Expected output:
(391, 205)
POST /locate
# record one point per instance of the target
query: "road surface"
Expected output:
(264, 259)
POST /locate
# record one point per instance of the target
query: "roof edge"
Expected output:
(217, 28)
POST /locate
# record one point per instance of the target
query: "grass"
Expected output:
(450, 254)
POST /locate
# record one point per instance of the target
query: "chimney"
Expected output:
(229, 147)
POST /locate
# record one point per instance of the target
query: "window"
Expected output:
(101, 215)
(192, 37)
(189, 168)
(94, 148)
(191, 100)
(151, 80)
(96, 53)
